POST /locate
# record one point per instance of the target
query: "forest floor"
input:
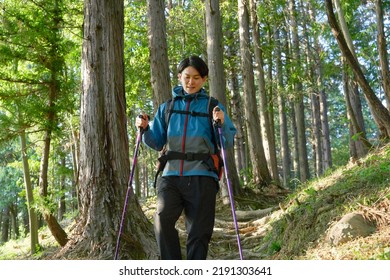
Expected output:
(278, 224)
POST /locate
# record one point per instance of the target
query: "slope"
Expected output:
(298, 229)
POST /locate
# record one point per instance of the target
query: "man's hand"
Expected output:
(218, 115)
(142, 121)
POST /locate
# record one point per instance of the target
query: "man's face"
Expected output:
(191, 80)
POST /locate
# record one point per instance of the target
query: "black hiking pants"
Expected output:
(195, 195)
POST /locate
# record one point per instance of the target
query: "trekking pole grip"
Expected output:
(217, 122)
(142, 116)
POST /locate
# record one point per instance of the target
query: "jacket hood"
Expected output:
(179, 92)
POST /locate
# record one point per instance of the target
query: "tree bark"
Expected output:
(32, 216)
(358, 142)
(382, 49)
(158, 50)
(283, 129)
(235, 106)
(5, 223)
(265, 118)
(55, 228)
(217, 81)
(303, 164)
(261, 174)
(314, 96)
(104, 157)
(14, 220)
(61, 203)
(325, 134)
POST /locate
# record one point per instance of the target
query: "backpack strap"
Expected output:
(168, 111)
(212, 103)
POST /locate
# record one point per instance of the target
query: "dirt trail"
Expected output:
(252, 224)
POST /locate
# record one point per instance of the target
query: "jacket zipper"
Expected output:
(183, 143)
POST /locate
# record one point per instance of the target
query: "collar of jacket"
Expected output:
(178, 92)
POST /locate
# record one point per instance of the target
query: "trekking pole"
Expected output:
(230, 190)
(129, 189)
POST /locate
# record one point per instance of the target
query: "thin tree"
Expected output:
(303, 164)
(55, 64)
(5, 222)
(265, 117)
(325, 135)
(158, 50)
(382, 49)
(235, 103)
(32, 216)
(358, 142)
(358, 145)
(283, 129)
(217, 81)
(261, 174)
(313, 92)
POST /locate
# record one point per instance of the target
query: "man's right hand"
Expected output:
(142, 121)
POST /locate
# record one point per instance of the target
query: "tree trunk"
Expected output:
(359, 144)
(268, 140)
(295, 153)
(298, 98)
(104, 157)
(14, 220)
(55, 228)
(74, 139)
(236, 108)
(316, 131)
(382, 49)
(271, 110)
(56, 65)
(61, 203)
(323, 106)
(261, 174)
(326, 147)
(316, 136)
(217, 82)
(283, 129)
(381, 114)
(32, 217)
(5, 222)
(158, 50)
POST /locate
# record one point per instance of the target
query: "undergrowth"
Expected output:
(300, 231)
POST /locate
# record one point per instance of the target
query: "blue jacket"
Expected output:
(187, 133)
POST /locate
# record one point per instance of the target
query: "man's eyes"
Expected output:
(196, 77)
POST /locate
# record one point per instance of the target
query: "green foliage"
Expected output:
(275, 247)
(137, 71)
(185, 35)
(385, 255)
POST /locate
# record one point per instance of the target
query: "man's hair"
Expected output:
(196, 62)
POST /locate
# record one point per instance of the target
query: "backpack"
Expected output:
(213, 161)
